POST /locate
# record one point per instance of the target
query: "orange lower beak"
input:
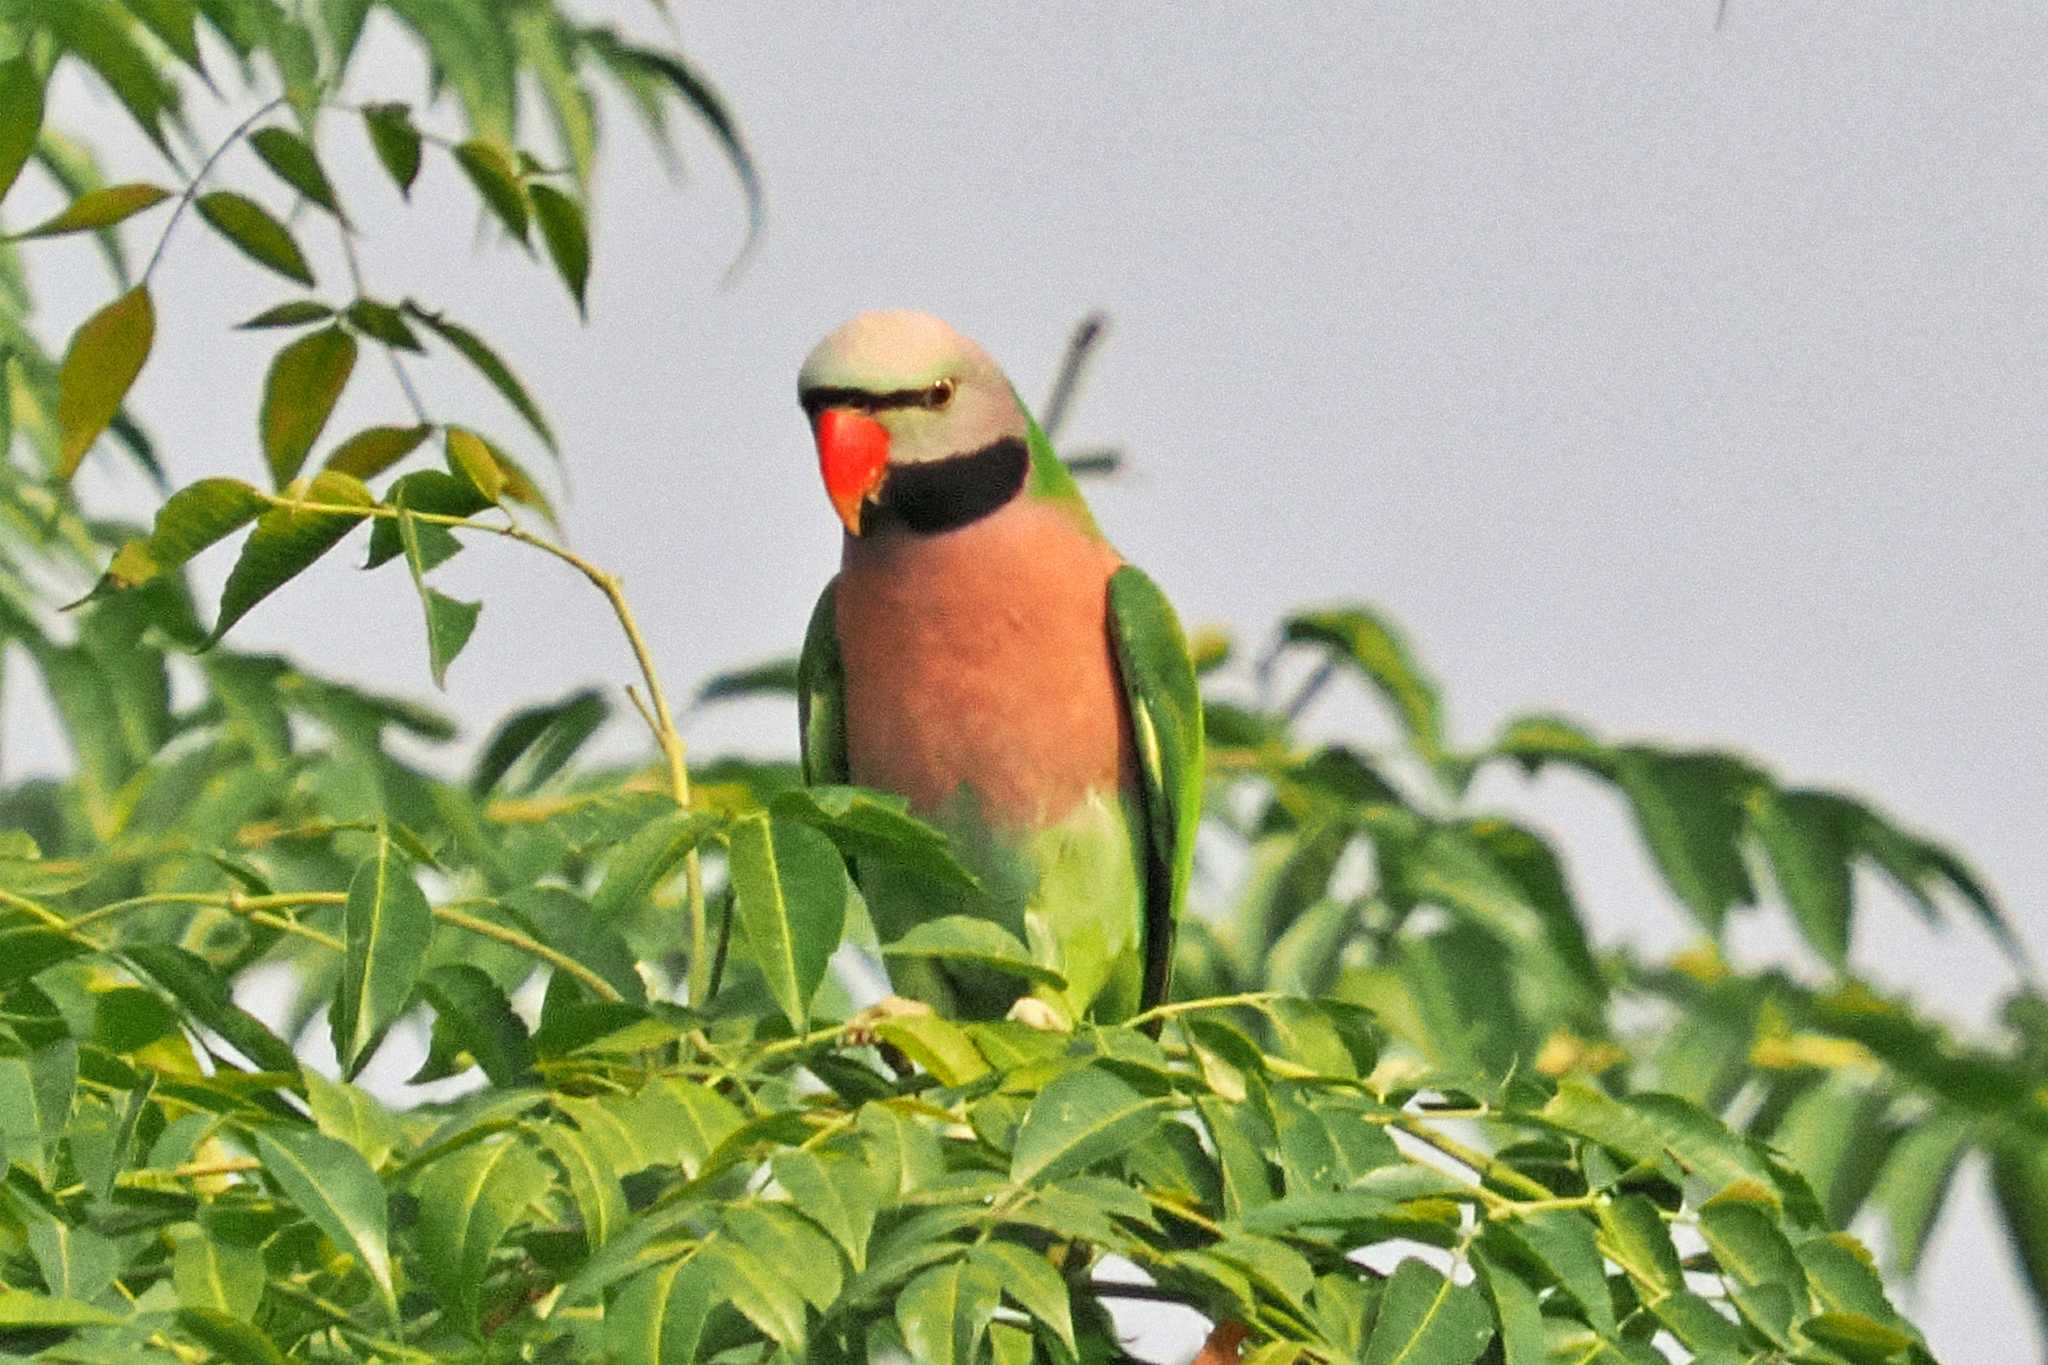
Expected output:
(853, 455)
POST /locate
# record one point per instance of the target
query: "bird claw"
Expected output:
(864, 1029)
(1035, 1013)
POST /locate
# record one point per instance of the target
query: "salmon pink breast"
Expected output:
(981, 659)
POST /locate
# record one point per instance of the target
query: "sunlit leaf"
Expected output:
(975, 941)
(944, 1312)
(190, 520)
(98, 209)
(837, 1193)
(658, 1318)
(349, 1114)
(386, 925)
(215, 1273)
(790, 891)
(593, 1183)
(100, 365)
(332, 1185)
(230, 1339)
(373, 450)
(468, 1202)
(1087, 1115)
(260, 237)
(1424, 1319)
(299, 394)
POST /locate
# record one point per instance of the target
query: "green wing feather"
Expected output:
(1166, 725)
(821, 697)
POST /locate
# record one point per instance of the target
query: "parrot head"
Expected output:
(913, 421)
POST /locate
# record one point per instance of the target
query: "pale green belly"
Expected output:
(1072, 892)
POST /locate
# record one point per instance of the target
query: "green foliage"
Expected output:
(1399, 1110)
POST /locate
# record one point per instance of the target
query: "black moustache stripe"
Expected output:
(940, 495)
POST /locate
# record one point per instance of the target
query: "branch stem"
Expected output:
(198, 179)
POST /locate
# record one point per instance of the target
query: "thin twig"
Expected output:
(603, 989)
(355, 275)
(198, 179)
(1086, 335)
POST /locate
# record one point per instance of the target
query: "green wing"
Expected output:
(1166, 725)
(821, 697)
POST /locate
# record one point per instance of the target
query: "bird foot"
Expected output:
(863, 1029)
(1036, 1013)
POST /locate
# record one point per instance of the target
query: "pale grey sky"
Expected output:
(1689, 382)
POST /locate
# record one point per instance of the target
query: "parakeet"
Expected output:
(985, 654)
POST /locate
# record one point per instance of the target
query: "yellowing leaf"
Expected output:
(496, 180)
(99, 208)
(373, 450)
(299, 395)
(100, 366)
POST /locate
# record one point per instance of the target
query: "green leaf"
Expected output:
(1633, 1237)
(373, 450)
(387, 924)
(216, 1273)
(552, 733)
(1030, 1281)
(774, 678)
(1424, 1319)
(645, 859)
(658, 1318)
(191, 519)
(871, 824)
(487, 363)
(20, 1308)
(944, 1312)
(98, 208)
(396, 141)
(971, 939)
(229, 1338)
(260, 237)
(568, 241)
(21, 117)
(103, 35)
(1517, 1314)
(424, 490)
(1748, 1246)
(1689, 809)
(347, 1114)
(698, 94)
(1370, 643)
(472, 1014)
(836, 1192)
(496, 179)
(299, 393)
(100, 365)
(332, 1185)
(381, 322)
(1808, 837)
(1085, 1116)
(790, 891)
(289, 539)
(292, 313)
(291, 158)
(1560, 1246)
(201, 992)
(759, 1290)
(938, 1045)
(593, 1184)
(468, 1202)
(1914, 1185)
(450, 622)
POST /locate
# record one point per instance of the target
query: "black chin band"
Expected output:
(941, 495)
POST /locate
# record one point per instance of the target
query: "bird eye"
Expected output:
(939, 394)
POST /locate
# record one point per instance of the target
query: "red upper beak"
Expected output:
(853, 455)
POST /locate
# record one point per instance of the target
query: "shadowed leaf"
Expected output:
(299, 394)
(293, 161)
(260, 237)
(288, 539)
